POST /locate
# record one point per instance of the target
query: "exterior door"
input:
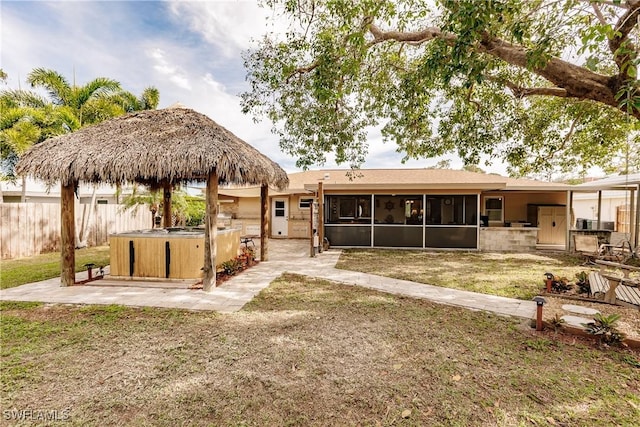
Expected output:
(552, 224)
(279, 218)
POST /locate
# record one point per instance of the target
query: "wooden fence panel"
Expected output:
(28, 229)
(623, 219)
(24, 228)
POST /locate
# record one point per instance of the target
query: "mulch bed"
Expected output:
(222, 276)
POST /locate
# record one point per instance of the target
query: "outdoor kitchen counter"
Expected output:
(502, 239)
(167, 254)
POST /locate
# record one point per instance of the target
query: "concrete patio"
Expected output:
(284, 256)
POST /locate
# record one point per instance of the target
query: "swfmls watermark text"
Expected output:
(50, 415)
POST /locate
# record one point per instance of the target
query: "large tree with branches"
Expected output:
(543, 85)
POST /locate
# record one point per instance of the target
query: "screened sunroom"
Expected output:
(402, 220)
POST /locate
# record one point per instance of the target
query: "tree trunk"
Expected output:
(87, 215)
(210, 232)
(67, 234)
(264, 223)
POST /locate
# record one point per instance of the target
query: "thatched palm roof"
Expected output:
(174, 144)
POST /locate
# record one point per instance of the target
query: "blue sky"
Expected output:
(190, 51)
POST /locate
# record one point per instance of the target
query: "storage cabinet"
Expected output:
(551, 222)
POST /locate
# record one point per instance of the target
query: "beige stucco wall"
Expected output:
(515, 204)
(295, 213)
(246, 216)
(299, 229)
(299, 219)
(248, 207)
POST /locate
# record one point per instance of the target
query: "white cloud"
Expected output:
(208, 79)
(228, 25)
(175, 74)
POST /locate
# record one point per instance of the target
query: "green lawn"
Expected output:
(17, 272)
(308, 352)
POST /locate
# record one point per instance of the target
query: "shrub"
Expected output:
(560, 284)
(582, 281)
(604, 328)
(232, 267)
(557, 323)
(248, 253)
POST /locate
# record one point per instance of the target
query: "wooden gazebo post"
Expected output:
(320, 214)
(210, 232)
(166, 205)
(264, 223)
(67, 234)
(636, 222)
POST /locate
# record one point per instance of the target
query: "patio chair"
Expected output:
(588, 246)
(619, 248)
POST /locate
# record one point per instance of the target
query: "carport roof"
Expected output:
(620, 182)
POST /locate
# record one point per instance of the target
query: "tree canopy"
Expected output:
(542, 85)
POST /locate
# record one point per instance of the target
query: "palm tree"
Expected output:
(26, 120)
(76, 97)
(98, 100)
(31, 118)
(149, 100)
(152, 199)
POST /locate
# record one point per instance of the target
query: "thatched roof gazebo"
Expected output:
(157, 148)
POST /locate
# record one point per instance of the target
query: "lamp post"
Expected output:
(539, 303)
(549, 280)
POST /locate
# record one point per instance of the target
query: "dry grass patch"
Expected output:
(308, 352)
(514, 275)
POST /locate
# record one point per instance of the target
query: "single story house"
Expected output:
(410, 208)
(36, 191)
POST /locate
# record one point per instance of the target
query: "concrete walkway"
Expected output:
(284, 256)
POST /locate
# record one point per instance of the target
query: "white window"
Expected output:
(305, 203)
(493, 209)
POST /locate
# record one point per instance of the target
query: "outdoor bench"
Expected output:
(614, 287)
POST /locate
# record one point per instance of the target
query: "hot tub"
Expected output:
(174, 253)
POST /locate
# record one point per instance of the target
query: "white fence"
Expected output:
(28, 229)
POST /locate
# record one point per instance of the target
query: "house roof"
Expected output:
(252, 191)
(395, 179)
